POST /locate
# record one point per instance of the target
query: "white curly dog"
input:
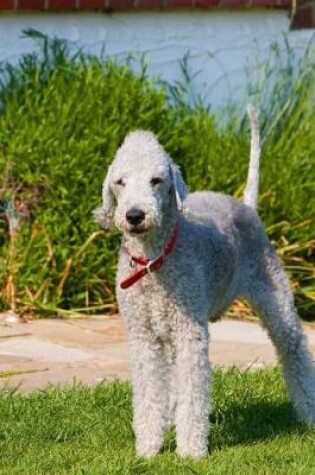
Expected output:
(184, 258)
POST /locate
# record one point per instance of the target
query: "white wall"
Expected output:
(221, 45)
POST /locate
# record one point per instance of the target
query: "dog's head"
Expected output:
(142, 185)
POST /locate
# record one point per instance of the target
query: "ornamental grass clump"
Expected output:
(62, 117)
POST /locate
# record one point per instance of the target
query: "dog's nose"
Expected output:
(135, 216)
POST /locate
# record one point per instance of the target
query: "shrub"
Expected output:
(62, 117)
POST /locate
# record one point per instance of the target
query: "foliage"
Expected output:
(62, 116)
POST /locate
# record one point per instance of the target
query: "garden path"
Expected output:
(47, 352)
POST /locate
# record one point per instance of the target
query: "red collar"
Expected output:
(148, 265)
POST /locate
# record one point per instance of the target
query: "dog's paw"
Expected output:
(193, 452)
(148, 450)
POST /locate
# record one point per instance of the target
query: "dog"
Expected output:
(184, 258)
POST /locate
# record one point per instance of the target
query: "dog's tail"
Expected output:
(251, 189)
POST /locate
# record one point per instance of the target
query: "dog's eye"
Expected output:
(120, 182)
(156, 181)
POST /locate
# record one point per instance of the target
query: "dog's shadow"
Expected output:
(257, 421)
(239, 425)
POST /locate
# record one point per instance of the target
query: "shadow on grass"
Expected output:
(250, 423)
(239, 424)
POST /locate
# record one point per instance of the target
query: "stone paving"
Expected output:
(58, 352)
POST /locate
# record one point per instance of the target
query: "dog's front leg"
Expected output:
(192, 376)
(149, 394)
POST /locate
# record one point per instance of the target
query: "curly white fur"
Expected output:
(222, 252)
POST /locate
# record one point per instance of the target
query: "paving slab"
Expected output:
(60, 352)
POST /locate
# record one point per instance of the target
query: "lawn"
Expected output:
(89, 431)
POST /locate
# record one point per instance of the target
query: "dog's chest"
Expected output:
(159, 302)
(149, 307)
(160, 309)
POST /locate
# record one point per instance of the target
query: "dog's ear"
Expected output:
(105, 213)
(179, 184)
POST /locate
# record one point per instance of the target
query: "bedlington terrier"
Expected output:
(184, 258)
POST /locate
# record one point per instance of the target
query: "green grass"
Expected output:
(89, 431)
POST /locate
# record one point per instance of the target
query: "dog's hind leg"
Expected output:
(268, 291)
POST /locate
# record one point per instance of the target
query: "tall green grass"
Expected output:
(62, 116)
